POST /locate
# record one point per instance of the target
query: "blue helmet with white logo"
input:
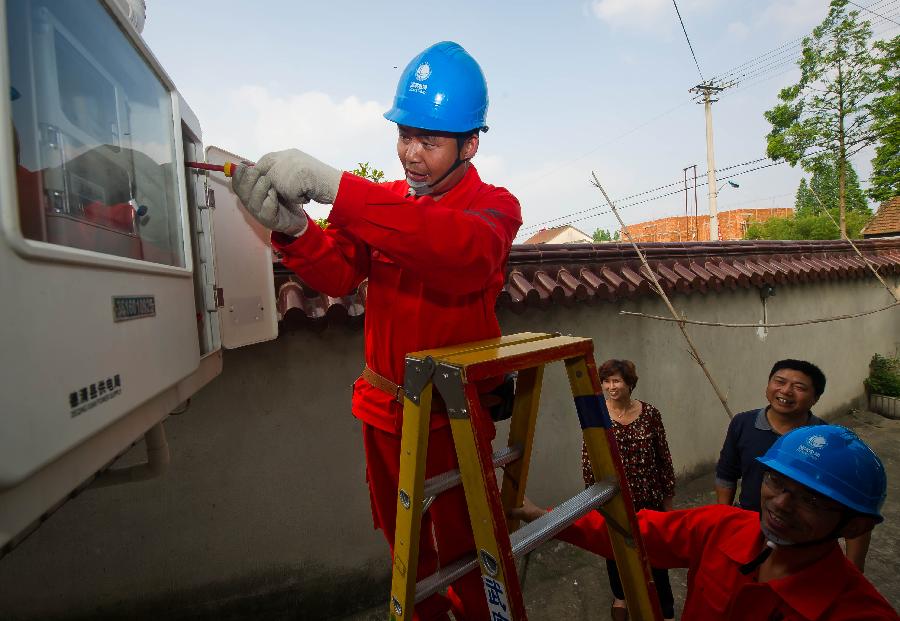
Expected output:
(441, 89)
(834, 462)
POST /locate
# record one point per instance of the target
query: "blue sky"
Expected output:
(574, 87)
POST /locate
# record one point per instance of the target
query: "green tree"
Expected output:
(885, 109)
(804, 201)
(825, 184)
(603, 235)
(810, 220)
(826, 115)
(364, 170)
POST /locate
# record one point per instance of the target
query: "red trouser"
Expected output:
(447, 515)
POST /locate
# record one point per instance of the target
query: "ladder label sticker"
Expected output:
(592, 412)
(496, 599)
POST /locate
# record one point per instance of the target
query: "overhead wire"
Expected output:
(688, 39)
(787, 58)
(782, 49)
(679, 191)
(593, 212)
(641, 193)
(872, 12)
(755, 71)
(786, 53)
(762, 76)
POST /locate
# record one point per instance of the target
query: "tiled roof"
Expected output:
(568, 274)
(545, 236)
(886, 220)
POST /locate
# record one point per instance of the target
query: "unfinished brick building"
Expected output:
(732, 225)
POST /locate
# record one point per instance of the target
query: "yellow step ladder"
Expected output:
(454, 371)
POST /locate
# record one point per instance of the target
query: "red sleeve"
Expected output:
(329, 261)
(458, 248)
(671, 539)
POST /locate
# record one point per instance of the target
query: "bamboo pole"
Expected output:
(695, 354)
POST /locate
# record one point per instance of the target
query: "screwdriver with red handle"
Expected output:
(227, 168)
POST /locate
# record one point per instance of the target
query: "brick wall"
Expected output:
(732, 225)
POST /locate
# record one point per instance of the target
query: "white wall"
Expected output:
(266, 492)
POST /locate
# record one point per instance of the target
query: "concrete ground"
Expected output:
(564, 582)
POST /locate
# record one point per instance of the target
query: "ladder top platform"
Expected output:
(493, 357)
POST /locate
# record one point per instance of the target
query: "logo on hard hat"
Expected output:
(422, 72)
(817, 442)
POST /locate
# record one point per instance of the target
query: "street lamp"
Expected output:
(714, 234)
(729, 182)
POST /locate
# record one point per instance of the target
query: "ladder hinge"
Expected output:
(416, 375)
(449, 382)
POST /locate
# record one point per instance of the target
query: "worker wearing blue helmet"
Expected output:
(820, 483)
(433, 249)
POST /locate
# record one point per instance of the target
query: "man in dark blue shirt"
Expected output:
(794, 387)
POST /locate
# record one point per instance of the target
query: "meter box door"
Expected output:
(200, 209)
(99, 315)
(245, 280)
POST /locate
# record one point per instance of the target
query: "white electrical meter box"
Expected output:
(111, 310)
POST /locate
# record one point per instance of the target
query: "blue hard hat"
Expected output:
(442, 89)
(834, 462)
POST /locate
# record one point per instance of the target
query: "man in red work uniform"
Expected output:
(784, 563)
(433, 247)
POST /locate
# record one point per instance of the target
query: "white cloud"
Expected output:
(738, 31)
(251, 121)
(794, 15)
(643, 14)
(629, 12)
(490, 167)
(557, 193)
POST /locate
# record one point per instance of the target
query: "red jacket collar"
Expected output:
(470, 180)
(811, 590)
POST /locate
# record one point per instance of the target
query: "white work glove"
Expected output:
(261, 201)
(299, 177)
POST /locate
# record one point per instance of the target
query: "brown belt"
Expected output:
(397, 393)
(383, 384)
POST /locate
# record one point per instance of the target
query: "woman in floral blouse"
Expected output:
(641, 438)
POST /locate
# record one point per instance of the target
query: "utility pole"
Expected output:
(696, 226)
(707, 91)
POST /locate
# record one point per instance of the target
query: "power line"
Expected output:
(765, 73)
(872, 12)
(637, 194)
(591, 211)
(788, 52)
(688, 39)
(752, 72)
(775, 59)
(729, 206)
(620, 207)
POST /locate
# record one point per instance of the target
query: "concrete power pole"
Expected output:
(707, 91)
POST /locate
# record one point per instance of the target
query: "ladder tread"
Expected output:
(446, 480)
(527, 538)
(530, 536)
